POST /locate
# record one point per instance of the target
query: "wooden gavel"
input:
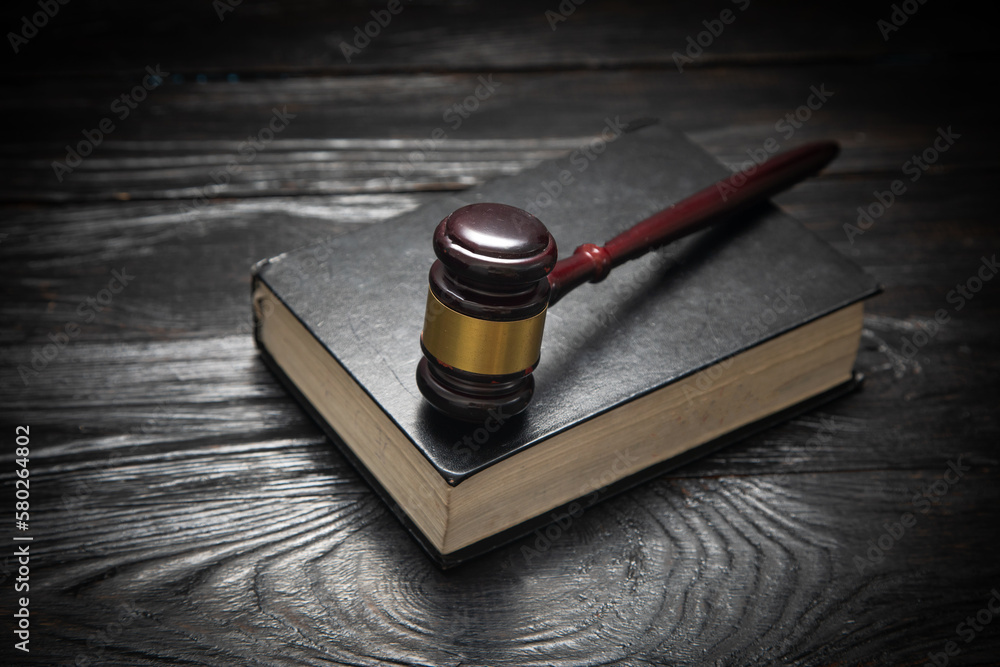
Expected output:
(496, 275)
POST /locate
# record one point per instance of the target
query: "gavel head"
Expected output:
(485, 314)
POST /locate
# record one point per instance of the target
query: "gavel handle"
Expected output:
(742, 190)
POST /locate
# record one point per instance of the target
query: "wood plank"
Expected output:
(304, 37)
(747, 570)
(389, 133)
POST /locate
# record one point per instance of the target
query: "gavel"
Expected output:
(496, 275)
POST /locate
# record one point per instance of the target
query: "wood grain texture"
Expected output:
(880, 114)
(305, 36)
(184, 509)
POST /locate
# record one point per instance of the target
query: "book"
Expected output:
(674, 355)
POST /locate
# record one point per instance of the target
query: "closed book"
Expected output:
(675, 354)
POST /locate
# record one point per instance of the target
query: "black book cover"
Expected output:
(653, 321)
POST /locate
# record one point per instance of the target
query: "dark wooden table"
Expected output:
(184, 510)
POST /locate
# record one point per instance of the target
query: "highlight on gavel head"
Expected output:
(485, 314)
